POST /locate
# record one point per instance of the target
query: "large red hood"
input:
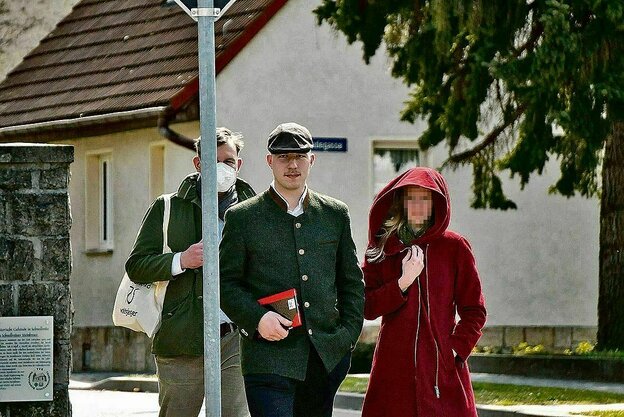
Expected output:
(422, 177)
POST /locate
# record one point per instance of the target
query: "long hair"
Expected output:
(395, 221)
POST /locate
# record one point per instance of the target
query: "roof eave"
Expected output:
(75, 127)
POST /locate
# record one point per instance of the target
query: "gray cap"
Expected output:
(290, 138)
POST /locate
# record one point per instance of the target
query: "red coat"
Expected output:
(414, 371)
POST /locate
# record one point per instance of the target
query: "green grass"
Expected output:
(354, 384)
(603, 413)
(503, 394)
(607, 354)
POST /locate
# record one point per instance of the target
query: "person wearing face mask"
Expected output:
(178, 344)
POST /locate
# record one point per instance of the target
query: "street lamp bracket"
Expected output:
(205, 12)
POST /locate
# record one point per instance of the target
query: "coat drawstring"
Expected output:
(436, 387)
(417, 330)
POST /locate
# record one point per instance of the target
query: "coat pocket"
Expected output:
(446, 355)
(181, 323)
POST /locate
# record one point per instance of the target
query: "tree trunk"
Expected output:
(611, 270)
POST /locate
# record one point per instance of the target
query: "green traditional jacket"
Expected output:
(181, 331)
(265, 250)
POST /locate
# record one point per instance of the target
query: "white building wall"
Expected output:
(96, 276)
(539, 264)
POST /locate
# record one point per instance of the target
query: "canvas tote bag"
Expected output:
(139, 306)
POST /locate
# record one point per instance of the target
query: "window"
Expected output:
(99, 202)
(157, 170)
(391, 159)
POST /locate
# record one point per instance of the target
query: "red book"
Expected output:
(284, 303)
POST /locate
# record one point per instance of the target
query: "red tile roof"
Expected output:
(110, 56)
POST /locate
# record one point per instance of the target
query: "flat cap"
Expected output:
(289, 138)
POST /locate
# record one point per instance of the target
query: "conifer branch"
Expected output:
(489, 140)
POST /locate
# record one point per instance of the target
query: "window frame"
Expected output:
(104, 211)
(152, 146)
(393, 142)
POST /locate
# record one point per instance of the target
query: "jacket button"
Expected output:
(304, 277)
(310, 332)
(298, 225)
(306, 304)
(301, 251)
(200, 297)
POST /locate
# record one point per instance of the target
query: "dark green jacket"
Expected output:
(265, 250)
(181, 330)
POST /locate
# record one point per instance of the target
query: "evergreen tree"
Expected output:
(507, 85)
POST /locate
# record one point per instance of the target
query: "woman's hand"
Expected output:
(413, 264)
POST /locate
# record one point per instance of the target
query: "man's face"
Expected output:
(226, 153)
(290, 170)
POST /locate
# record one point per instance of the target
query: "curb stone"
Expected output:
(485, 411)
(121, 383)
(353, 401)
(348, 401)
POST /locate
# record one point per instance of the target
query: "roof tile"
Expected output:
(116, 55)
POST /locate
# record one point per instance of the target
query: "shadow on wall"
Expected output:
(111, 349)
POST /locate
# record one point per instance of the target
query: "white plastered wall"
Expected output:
(96, 276)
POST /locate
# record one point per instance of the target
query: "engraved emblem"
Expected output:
(39, 379)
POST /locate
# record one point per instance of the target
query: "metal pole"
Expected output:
(210, 227)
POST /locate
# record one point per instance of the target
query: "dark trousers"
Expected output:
(270, 395)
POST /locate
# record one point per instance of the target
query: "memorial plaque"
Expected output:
(26, 358)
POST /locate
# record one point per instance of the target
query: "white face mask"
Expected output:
(226, 177)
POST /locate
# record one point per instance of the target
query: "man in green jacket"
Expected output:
(290, 237)
(179, 343)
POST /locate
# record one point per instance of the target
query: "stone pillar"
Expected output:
(35, 255)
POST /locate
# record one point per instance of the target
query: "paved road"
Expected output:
(89, 403)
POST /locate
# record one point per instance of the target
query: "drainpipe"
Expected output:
(165, 117)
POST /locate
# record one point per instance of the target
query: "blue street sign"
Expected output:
(330, 145)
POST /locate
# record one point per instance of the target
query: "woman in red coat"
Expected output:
(419, 276)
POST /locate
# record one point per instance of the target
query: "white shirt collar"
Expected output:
(298, 210)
